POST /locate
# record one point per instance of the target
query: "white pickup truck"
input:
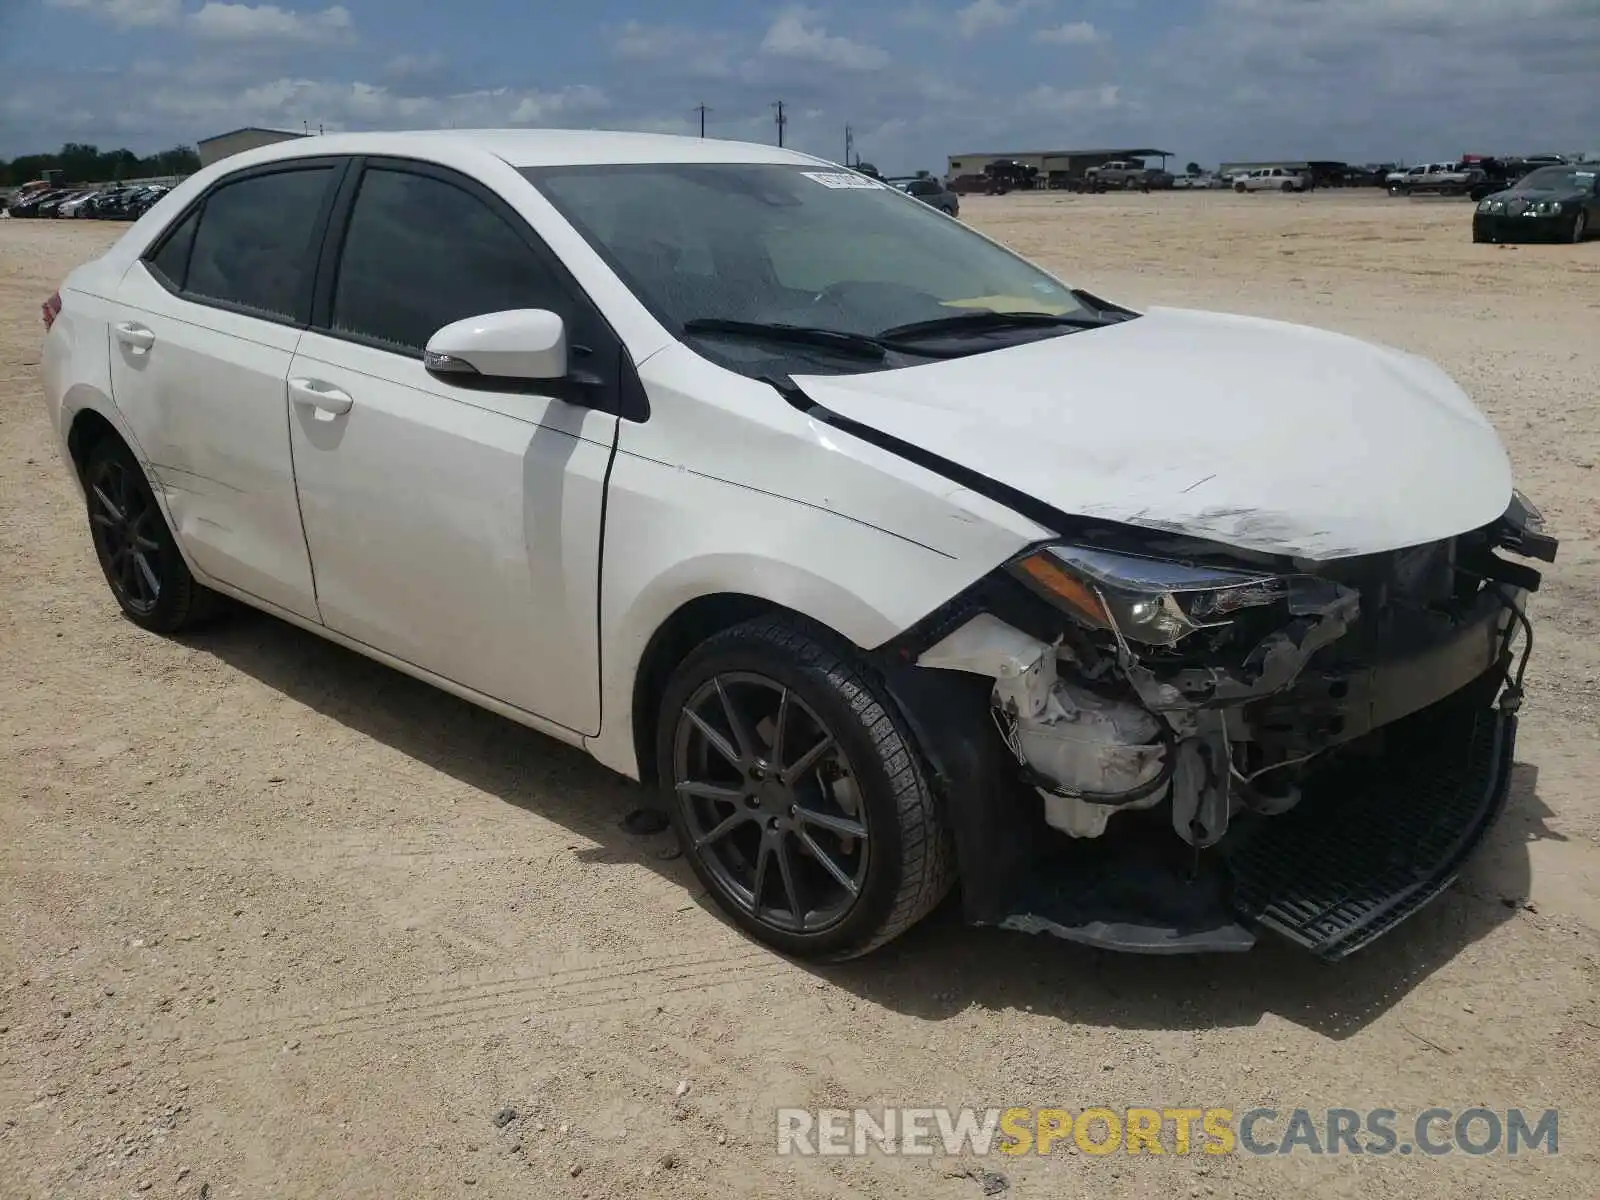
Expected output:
(1274, 179)
(1443, 179)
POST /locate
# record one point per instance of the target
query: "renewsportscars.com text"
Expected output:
(1099, 1130)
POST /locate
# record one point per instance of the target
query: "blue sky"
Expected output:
(918, 79)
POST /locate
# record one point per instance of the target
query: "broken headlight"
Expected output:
(1153, 601)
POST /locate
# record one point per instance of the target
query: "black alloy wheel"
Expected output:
(122, 517)
(770, 805)
(147, 575)
(798, 799)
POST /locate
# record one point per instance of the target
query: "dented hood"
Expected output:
(1257, 434)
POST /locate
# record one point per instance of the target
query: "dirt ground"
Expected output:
(285, 923)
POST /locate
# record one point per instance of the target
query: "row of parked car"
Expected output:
(1476, 176)
(111, 203)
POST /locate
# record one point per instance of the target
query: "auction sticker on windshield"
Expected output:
(841, 179)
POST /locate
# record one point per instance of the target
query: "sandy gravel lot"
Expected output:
(280, 922)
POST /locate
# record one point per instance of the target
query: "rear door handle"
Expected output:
(325, 401)
(135, 337)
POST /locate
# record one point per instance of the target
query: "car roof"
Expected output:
(540, 147)
(485, 150)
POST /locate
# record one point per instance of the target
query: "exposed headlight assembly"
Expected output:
(1152, 601)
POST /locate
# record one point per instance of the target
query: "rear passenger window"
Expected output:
(254, 247)
(421, 253)
(172, 260)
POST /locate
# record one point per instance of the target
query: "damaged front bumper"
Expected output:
(1323, 781)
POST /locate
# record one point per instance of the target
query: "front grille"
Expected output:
(1373, 842)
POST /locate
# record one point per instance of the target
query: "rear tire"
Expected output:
(138, 555)
(758, 808)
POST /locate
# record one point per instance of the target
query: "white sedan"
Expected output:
(886, 558)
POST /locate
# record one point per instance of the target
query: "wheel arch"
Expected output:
(674, 640)
(88, 426)
(685, 629)
(87, 418)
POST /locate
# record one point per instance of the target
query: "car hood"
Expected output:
(1256, 434)
(1554, 193)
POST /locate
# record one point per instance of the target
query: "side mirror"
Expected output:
(522, 343)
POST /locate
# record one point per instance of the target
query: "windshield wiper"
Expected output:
(985, 321)
(858, 345)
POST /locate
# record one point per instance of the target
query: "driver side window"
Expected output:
(421, 253)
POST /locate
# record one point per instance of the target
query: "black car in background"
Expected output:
(1499, 174)
(1550, 204)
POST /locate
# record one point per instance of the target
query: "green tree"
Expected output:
(79, 162)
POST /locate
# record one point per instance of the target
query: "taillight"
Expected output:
(51, 309)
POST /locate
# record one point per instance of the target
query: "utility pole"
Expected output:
(702, 110)
(849, 144)
(782, 120)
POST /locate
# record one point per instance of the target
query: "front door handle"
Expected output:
(136, 337)
(325, 401)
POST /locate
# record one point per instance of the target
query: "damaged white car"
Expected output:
(894, 562)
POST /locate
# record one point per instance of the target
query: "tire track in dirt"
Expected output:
(501, 998)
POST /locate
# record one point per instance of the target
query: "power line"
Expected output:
(782, 120)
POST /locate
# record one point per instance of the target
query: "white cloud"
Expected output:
(637, 40)
(918, 15)
(798, 33)
(1103, 97)
(127, 14)
(268, 22)
(414, 67)
(1377, 79)
(1218, 80)
(700, 53)
(1072, 33)
(200, 104)
(983, 16)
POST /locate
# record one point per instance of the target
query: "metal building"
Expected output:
(213, 149)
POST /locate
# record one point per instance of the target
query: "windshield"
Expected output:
(792, 245)
(1560, 179)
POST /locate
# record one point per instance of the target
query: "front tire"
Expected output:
(1580, 226)
(142, 565)
(797, 794)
